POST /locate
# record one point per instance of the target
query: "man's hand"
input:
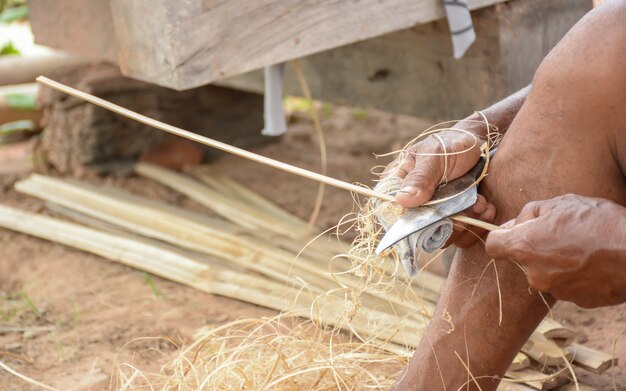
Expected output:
(572, 247)
(435, 159)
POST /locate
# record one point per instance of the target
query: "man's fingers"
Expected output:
(420, 183)
(505, 243)
(471, 234)
(400, 167)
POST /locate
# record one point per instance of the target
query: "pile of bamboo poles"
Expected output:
(254, 253)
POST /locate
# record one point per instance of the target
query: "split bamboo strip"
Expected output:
(538, 380)
(210, 142)
(520, 361)
(224, 241)
(591, 360)
(545, 352)
(238, 151)
(227, 207)
(134, 213)
(556, 332)
(365, 323)
(222, 183)
(261, 291)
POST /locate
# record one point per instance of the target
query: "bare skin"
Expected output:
(589, 270)
(569, 136)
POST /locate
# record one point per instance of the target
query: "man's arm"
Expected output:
(423, 166)
(563, 140)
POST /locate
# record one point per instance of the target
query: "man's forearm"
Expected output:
(500, 114)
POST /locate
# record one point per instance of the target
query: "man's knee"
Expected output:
(589, 60)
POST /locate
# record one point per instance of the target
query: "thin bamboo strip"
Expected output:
(212, 143)
(591, 360)
(256, 290)
(545, 352)
(304, 266)
(538, 380)
(146, 221)
(222, 183)
(238, 151)
(556, 332)
(261, 291)
(225, 206)
(206, 196)
(161, 224)
(520, 361)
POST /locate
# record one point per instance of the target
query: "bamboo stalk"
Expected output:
(237, 151)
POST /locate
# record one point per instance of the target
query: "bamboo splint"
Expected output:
(545, 352)
(538, 380)
(207, 236)
(229, 288)
(173, 225)
(225, 205)
(253, 289)
(591, 360)
(171, 265)
(238, 151)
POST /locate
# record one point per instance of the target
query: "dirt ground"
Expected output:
(94, 311)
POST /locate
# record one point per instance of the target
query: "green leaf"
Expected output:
(16, 131)
(21, 101)
(9, 49)
(14, 14)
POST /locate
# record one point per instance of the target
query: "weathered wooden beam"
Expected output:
(209, 40)
(413, 72)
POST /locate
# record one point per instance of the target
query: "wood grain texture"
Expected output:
(412, 71)
(82, 27)
(189, 43)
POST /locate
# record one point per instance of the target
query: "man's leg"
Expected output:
(566, 138)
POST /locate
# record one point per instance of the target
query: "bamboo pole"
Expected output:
(238, 151)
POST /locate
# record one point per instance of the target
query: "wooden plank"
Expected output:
(82, 27)
(412, 71)
(204, 40)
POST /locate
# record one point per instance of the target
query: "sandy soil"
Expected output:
(94, 307)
